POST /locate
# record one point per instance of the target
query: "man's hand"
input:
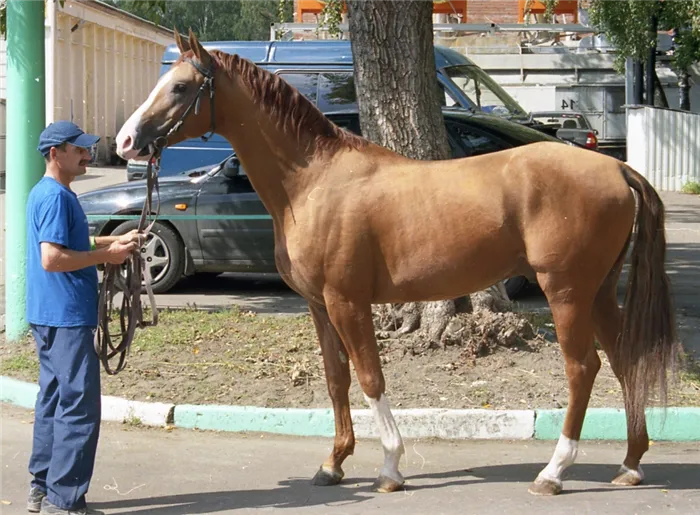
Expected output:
(117, 252)
(132, 236)
(56, 258)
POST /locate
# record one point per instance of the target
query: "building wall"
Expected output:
(101, 63)
(492, 11)
(104, 65)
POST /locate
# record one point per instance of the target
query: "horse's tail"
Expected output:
(648, 347)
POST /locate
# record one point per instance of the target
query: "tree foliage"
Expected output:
(214, 20)
(211, 20)
(331, 16)
(626, 24)
(3, 14)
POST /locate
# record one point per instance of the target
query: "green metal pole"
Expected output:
(24, 165)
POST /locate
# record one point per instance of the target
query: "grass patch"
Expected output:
(692, 187)
(180, 328)
(133, 421)
(690, 372)
(23, 363)
(539, 320)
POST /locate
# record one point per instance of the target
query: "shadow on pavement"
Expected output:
(299, 493)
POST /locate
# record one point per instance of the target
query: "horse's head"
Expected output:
(179, 107)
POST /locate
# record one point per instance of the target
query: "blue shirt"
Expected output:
(58, 299)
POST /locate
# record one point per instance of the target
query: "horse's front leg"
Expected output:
(335, 362)
(353, 321)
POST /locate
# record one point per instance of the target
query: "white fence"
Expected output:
(3, 114)
(664, 146)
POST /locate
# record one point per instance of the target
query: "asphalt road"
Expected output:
(179, 472)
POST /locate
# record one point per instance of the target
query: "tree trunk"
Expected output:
(392, 46)
(684, 85)
(400, 109)
(651, 60)
(638, 82)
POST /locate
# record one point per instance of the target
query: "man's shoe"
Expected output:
(34, 499)
(51, 509)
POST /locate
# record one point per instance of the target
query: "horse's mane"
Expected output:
(293, 111)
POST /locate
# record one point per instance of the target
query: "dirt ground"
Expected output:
(233, 357)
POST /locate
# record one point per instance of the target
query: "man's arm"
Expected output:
(105, 241)
(57, 258)
(54, 220)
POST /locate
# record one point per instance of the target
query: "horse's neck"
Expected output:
(272, 158)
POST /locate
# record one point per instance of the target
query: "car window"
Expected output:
(615, 100)
(456, 150)
(305, 83)
(350, 123)
(336, 91)
(446, 98)
(474, 142)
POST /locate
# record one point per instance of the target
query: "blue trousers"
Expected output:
(67, 414)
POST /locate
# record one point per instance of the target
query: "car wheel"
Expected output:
(163, 253)
(515, 285)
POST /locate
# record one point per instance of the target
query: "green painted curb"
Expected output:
(17, 392)
(179, 217)
(298, 422)
(673, 424)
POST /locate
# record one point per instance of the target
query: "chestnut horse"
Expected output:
(356, 224)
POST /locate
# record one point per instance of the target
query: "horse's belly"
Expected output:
(448, 272)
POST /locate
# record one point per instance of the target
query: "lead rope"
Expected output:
(131, 309)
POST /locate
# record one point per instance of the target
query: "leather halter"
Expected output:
(208, 75)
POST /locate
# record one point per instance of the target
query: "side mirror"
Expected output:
(231, 168)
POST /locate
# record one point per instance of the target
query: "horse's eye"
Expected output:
(179, 88)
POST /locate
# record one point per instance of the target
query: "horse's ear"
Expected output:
(183, 45)
(199, 50)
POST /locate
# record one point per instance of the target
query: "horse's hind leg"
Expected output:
(607, 318)
(354, 324)
(571, 308)
(337, 368)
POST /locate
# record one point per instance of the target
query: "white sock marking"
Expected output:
(639, 473)
(563, 457)
(390, 435)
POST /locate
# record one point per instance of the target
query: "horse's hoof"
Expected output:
(628, 477)
(545, 487)
(327, 477)
(385, 484)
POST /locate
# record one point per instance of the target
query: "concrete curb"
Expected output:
(673, 424)
(413, 423)
(114, 409)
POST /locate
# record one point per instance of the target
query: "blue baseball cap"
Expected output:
(64, 131)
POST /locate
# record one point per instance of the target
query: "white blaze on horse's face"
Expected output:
(128, 135)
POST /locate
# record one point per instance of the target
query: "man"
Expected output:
(62, 293)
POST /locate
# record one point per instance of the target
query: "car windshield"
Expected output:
(484, 92)
(215, 168)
